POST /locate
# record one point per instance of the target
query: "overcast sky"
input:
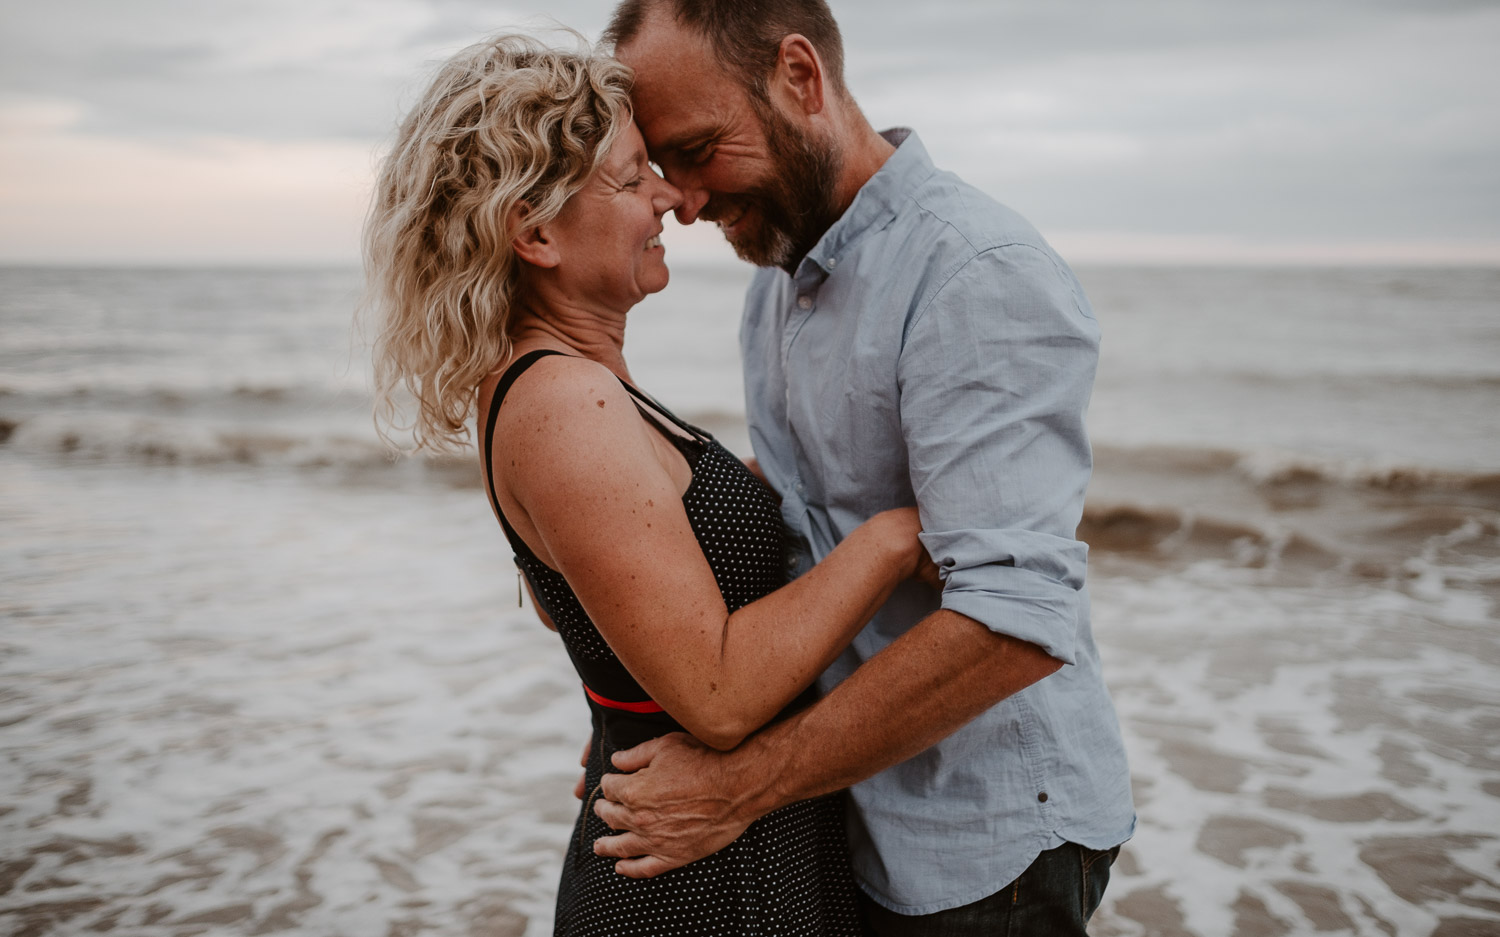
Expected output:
(246, 131)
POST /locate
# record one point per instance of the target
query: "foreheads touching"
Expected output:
(731, 98)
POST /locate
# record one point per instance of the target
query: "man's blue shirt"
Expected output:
(933, 350)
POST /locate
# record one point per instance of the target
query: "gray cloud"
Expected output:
(1342, 118)
(1352, 122)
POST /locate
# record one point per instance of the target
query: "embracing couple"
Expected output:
(848, 689)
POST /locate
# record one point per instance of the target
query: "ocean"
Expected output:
(258, 677)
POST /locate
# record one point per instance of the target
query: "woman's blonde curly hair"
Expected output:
(506, 122)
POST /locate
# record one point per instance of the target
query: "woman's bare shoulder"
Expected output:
(567, 415)
(563, 387)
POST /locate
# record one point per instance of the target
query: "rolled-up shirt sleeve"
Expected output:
(994, 377)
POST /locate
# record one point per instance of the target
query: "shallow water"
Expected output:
(255, 678)
(323, 714)
(310, 716)
(1305, 758)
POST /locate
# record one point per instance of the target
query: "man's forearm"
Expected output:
(677, 800)
(927, 684)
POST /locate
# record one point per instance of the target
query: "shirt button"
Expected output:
(1042, 797)
(804, 302)
(832, 262)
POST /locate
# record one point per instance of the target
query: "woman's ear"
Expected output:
(530, 242)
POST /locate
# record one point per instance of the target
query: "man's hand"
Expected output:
(682, 802)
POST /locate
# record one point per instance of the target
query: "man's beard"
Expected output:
(792, 208)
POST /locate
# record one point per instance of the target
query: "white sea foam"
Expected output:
(1317, 737)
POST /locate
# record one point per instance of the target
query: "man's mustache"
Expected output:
(719, 208)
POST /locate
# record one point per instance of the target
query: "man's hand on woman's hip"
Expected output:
(680, 801)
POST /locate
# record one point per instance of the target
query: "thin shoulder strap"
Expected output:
(516, 369)
(512, 373)
(650, 413)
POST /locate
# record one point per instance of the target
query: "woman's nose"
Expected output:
(668, 196)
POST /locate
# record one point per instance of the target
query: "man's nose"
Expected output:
(693, 200)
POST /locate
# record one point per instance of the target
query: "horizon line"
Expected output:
(1079, 259)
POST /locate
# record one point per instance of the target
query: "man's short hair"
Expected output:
(745, 35)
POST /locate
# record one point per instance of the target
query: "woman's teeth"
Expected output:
(654, 242)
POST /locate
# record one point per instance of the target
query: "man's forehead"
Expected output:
(681, 91)
(661, 36)
(670, 61)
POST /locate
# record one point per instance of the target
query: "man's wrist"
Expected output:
(763, 769)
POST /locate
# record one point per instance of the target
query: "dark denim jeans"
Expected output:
(1054, 897)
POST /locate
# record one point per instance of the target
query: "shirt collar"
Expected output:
(875, 203)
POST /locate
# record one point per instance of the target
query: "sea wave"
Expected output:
(1272, 469)
(1267, 510)
(204, 392)
(1283, 378)
(207, 385)
(116, 439)
(146, 440)
(1291, 512)
(1438, 550)
(131, 436)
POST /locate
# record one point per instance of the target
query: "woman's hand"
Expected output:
(927, 570)
(898, 529)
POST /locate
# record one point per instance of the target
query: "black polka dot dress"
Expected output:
(788, 874)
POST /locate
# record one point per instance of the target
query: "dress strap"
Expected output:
(650, 410)
(654, 412)
(516, 369)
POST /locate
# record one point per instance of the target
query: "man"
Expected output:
(908, 340)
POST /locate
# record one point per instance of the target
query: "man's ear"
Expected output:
(799, 79)
(530, 242)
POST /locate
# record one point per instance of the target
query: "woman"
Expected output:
(515, 224)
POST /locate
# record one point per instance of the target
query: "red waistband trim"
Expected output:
(645, 706)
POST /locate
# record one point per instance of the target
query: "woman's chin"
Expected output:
(658, 282)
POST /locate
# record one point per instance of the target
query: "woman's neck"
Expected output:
(578, 330)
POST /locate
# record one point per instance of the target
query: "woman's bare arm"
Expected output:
(579, 463)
